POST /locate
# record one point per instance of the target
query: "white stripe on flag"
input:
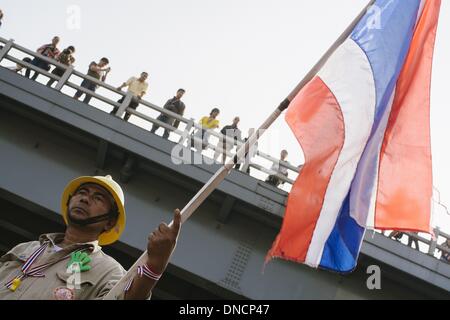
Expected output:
(359, 213)
(348, 74)
(419, 14)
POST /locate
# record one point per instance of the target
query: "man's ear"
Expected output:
(111, 223)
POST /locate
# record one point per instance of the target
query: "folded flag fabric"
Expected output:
(363, 123)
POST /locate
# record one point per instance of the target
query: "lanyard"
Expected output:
(28, 270)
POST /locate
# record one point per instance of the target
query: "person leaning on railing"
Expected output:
(273, 179)
(396, 235)
(66, 58)
(412, 239)
(48, 50)
(207, 123)
(18, 67)
(138, 87)
(97, 71)
(176, 106)
(446, 255)
(250, 154)
(224, 146)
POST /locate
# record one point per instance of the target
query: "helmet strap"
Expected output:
(89, 221)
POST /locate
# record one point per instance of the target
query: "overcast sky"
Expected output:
(241, 56)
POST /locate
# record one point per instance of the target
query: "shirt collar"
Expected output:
(56, 238)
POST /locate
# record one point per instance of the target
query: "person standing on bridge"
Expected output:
(279, 169)
(18, 67)
(72, 265)
(98, 71)
(224, 146)
(445, 256)
(48, 50)
(176, 106)
(138, 87)
(207, 124)
(66, 58)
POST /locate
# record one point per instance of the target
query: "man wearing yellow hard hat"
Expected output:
(72, 265)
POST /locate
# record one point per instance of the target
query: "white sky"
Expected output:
(241, 56)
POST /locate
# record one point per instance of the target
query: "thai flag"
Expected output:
(363, 123)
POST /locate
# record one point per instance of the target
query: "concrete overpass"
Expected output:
(47, 139)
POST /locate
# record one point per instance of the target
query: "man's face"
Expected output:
(180, 94)
(144, 76)
(90, 201)
(214, 114)
(55, 41)
(284, 155)
(236, 121)
(102, 63)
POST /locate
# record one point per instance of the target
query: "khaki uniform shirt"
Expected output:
(136, 87)
(105, 272)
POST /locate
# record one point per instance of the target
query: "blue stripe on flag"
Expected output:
(342, 248)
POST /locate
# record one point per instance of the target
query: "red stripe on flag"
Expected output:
(317, 122)
(405, 175)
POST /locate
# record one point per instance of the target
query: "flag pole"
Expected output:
(220, 175)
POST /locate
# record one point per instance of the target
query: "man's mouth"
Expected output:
(80, 209)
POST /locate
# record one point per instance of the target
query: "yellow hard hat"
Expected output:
(116, 191)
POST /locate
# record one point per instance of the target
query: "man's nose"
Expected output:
(85, 198)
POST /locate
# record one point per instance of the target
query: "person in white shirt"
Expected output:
(279, 169)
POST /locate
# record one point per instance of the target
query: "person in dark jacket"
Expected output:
(176, 106)
(98, 71)
(224, 146)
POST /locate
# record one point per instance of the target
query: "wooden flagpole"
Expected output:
(220, 175)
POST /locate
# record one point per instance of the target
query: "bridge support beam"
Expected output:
(101, 154)
(128, 168)
(225, 210)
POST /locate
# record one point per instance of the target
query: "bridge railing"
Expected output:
(261, 162)
(434, 246)
(258, 160)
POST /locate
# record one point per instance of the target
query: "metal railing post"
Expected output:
(62, 81)
(187, 131)
(126, 102)
(433, 244)
(246, 164)
(253, 150)
(6, 49)
(251, 153)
